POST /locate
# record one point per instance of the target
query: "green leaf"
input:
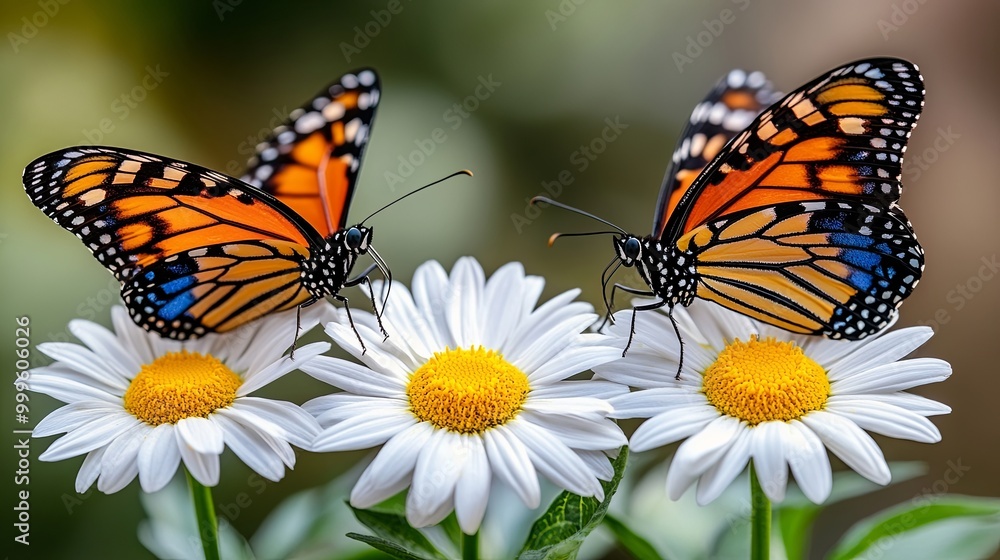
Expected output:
(388, 547)
(796, 514)
(637, 547)
(394, 535)
(561, 530)
(795, 526)
(887, 528)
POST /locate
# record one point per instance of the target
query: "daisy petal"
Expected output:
(510, 462)
(390, 471)
(88, 437)
(362, 432)
(353, 378)
(473, 488)
(467, 281)
(671, 426)
(204, 467)
(434, 477)
(90, 470)
(72, 416)
(717, 478)
(556, 461)
(886, 419)
(257, 379)
(883, 350)
(158, 458)
(699, 453)
(809, 462)
(767, 446)
(201, 434)
(897, 376)
(69, 390)
(250, 448)
(579, 433)
(119, 465)
(849, 442)
(104, 343)
(503, 287)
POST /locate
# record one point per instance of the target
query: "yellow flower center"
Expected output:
(467, 391)
(180, 385)
(763, 380)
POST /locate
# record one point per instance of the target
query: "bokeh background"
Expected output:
(203, 81)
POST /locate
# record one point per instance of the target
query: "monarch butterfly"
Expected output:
(200, 252)
(792, 220)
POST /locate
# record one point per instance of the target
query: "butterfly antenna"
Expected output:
(415, 191)
(546, 200)
(677, 331)
(554, 236)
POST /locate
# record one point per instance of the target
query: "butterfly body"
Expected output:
(669, 272)
(785, 208)
(198, 251)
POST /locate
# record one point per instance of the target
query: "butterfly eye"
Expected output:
(632, 248)
(353, 238)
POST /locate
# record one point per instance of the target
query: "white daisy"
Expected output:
(470, 385)
(749, 390)
(139, 403)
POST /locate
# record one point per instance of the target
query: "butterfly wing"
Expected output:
(841, 136)
(312, 161)
(164, 228)
(836, 268)
(726, 111)
(217, 288)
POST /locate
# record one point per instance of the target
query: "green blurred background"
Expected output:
(202, 81)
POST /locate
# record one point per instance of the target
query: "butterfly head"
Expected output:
(358, 239)
(628, 248)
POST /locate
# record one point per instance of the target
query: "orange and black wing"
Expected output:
(195, 250)
(839, 137)
(834, 268)
(735, 101)
(312, 161)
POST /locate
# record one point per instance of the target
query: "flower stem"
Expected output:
(760, 520)
(470, 546)
(204, 509)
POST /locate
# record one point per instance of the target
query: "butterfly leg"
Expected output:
(625, 289)
(647, 307)
(298, 329)
(364, 279)
(350, 319)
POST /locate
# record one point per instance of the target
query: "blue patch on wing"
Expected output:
(827, 222)
(174, 286)
(861, 259)
(860, 280)
(176, 306)
(850, 239)
(180, 268)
